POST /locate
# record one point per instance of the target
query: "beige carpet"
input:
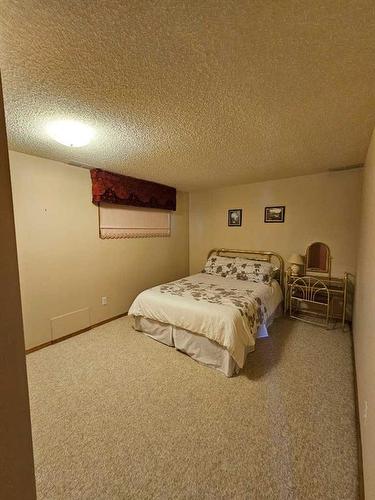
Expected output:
(117, 415)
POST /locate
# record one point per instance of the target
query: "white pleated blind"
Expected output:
(119, 221)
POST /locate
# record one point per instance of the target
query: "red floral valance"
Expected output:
(115, 188)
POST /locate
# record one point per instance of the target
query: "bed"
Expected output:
(216, 315)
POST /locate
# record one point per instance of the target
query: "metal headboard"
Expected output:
(264, 256)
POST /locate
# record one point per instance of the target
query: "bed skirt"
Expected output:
(196, 346)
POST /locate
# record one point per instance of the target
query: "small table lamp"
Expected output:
(296, 261)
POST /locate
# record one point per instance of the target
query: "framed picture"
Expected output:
(235, 217)
(274, 214)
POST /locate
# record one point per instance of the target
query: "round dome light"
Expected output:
(70, 133)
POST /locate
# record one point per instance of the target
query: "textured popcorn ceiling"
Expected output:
(193, 93)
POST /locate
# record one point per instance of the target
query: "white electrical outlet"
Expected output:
(104, 301)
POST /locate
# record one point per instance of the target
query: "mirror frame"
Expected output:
(327, 269)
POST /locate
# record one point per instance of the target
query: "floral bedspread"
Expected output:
(246, 301)
(227, 311)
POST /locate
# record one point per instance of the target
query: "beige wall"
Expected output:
(323, 207)
(16, 455)
(64, 266)
(364, 323)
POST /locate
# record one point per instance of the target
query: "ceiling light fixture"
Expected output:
(70, 132)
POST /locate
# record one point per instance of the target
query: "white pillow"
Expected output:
(252, 270)
(220, 266)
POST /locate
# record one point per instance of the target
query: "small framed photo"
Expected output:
(235, 217)
(274, 214)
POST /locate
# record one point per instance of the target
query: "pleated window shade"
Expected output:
(120, 221)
